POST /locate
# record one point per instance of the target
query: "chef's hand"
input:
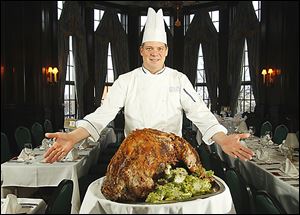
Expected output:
(232, 146)
(64, 143)
(60, 148)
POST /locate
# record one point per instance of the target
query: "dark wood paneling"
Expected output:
(29, 42)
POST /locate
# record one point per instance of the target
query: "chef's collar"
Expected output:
(146, 71)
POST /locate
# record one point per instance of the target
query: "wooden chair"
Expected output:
(5, 152)
(280, 134)
(22, 136)
(264, 203)
(61, 199)
(38, 134)
(266, 126)
(48, 126)
(240, 191)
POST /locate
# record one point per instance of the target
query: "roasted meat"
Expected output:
(139, 161)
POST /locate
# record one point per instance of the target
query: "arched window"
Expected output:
(109, 80)
(70, 98)
(246, 102)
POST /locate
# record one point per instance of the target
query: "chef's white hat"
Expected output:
(155, 27)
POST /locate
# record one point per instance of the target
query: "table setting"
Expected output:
(274, 168)
(14, 205)
(19, 173)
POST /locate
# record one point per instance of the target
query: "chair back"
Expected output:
(204, 156)
(48, 126)
(37, 132)
(22, 136)
(264, 203)
(60, 200)
(266, 126)
(5, 152)
(240, 191)
(280, 134)
(217, 165)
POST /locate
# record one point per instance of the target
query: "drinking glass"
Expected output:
(251, 131)
(268, 135)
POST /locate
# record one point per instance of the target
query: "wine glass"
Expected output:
(251, 131)
(28, 151)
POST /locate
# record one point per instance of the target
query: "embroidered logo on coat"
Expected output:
(174, 89)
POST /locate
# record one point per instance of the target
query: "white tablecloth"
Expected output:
(29, 206)
(94, 202)
(39, 174)
(268, 176)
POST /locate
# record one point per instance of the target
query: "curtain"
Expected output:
(244, 25)
(111, 31)
(202, 30)
(254, 62)
(71, 23)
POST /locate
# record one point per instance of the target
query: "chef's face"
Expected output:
(154, 55)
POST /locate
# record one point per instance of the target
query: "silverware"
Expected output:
(27, 206)
(28, 203)
(290, 179)
(272, 169)
(263, 163)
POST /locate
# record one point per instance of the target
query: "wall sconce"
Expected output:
(269, 75)
(2, 71)
(51, 74)
(177, 22)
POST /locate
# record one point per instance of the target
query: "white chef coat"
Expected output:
(153, 101)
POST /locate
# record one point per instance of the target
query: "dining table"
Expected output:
(37, 173)
(95, 202)
(267, 174)
(27, 206)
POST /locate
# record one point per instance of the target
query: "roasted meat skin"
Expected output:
(140, 159)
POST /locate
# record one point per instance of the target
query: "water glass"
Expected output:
(251, 131)
(268, 135)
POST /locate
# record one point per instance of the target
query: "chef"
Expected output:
(153, 96)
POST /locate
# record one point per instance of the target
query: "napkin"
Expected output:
(84, 144)
(72, 155)
(289, 168)
(292, 140)
(262, 155)
(10, 205)
(24, 157)
(242, 127)
(46, 143)
(266, 140)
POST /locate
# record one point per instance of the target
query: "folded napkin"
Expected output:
(289, 168)
(242, 127)
(266, 140)
(72, 155)
(262, 154)
(83, 144)
(284, 149)
(46, 143)
(24, 157)
(10, 205)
